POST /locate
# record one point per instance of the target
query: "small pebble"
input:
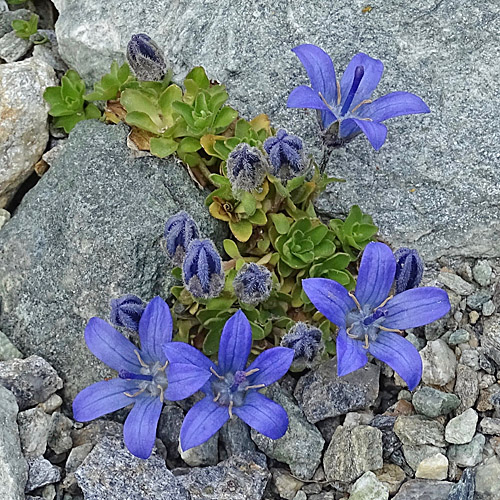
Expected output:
(435, 467)
(482, 273)
(461, 429)
(473, 317)
(459, 337)
(488, 308)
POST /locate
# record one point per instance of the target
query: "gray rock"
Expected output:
(40, 473)
(352, 452)
(461, 429)
(58, 268)
(49, 51)
(235, 436)
(13, 468)
(459, 337)
(60, 433)
(34, 427)
(110, 463)
(488, 308)
(417, 430)
(490, 340)
(482, 272)
(439, 363)
(52, 404)
(286, 484)
(301, 446)
(322, 394)
(414, 454)
(13, 48)
(95, 431)
(456, 283)
(465, 488)
(7, 349)
(466, 387)
(423, 489)
(76, 457)
(7, 17)
(204, 454)
(24, 132)
(477, 299)
(4, 217)
(368, 487)
(169, 428)
(391, 476)
(432, 403)
(467, 455)
(391, 444)
(487, 477)
(31, 380)
(490, 426)
(420, 195)
(436, 329)
(240, 477)
(470, 357)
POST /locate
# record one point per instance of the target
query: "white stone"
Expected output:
(435, 467)
(23, 124)
(439, 363)
(368, 487)
(461, 429)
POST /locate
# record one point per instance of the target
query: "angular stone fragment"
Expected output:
(439, 363)
(13, 467)
(60, 433)
(286, 484)
(435, 467)
(418, 430)
(461, 429)
(235, 436)
(482, 272)
(465, 488)
(423, 489)
(368, 487)
(466, 387)
(31, 380)
(391, 476)
(490, 426)
(414, 454)
(34, 427)
(40, 473)
(322, 394)
(240, 477)
(352, 452)
(301, 446)
(12, 48)
(7, 349)
(467, 455)
(432, 403)
(487, 480)
(110, 463)
(456, 283)
(206, 453)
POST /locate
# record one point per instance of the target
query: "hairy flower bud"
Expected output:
(246, 167)
(253, 284)
(180, 231)
(409, 269)
(127, 311)
(202, 270)
(146, 58)
(286, 154)
(307, 343)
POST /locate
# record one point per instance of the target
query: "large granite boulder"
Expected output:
(433, 185)
(90, 230)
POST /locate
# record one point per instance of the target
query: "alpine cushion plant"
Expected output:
(230, 387)
(370, 319)
(348, 104)
(142, 376)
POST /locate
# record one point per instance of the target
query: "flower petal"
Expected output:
(103, 397)
(400, 354)
(180, 352)
(272, 364)
(348, 129)
(235, 343)
(416, 307)
(155, 329)
(330, 298)
(263, 414)
(320, 70)
(184, 380)
(351, 355)
(305, 97)
(374, 131)
(376, 274)
(139, 431)
(110, 346)
(392, 105)
(202, 421)
(371, 77)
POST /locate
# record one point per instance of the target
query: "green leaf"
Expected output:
(163, 147)
(188, 145)
(185, 110)
(68, 122)
(225, 117)
(259, 218)
(242, 230)
(258, 332)
(171, 94)
(281, 223)
(142, 120)
(24, 29)
(111, 83)
(92, 112)
(248, 203)
(198, 76)
(220, 303)
(231, 249)
(295, 183)
(140, 101)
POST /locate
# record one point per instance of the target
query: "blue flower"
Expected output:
(370, 319)
(349, 102)
(306, 342)
(231, 388)
(202, 270)
(253, 284)
(146, 58)
(180, 231)
(246, 167)
(285, 154)
(142, 376)
(409, 269)
(127, 311)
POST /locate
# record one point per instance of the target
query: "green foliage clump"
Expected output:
(24, 29)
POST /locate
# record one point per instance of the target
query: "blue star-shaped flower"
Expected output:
(349, 102)
(370, 319)
(230, 387)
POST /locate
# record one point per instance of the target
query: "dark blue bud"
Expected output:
(127, 311)
(409, 269)
(253, 284)
(286, 154)
(246, 167)
(180, 231)
(307, 343)
(146, 58)
(202, 270)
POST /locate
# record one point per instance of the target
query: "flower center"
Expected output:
(231, 389)
(153, 378)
